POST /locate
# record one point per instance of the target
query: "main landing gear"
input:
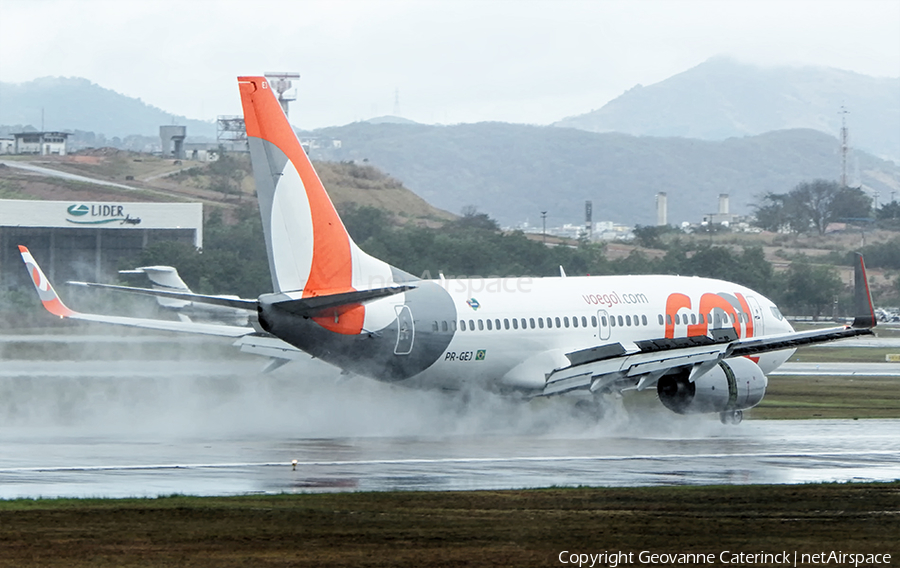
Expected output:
(731, 417)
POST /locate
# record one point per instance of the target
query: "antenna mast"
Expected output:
(281, 82)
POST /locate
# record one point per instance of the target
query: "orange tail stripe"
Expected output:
(332, 266)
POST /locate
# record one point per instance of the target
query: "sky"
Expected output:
(446, 61)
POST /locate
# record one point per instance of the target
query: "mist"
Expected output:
(152, 387)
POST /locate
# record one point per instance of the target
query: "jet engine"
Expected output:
(727, 388)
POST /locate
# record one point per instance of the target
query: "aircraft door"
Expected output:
(603, 324)
(405, 330)
(759, 327)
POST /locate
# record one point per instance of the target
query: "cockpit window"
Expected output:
(776, 313)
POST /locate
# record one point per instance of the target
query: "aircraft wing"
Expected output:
(614, 367)
(640, 366)
(53, 304)
(238, 303)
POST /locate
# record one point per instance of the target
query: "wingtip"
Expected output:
(48, 296)
(864, 310)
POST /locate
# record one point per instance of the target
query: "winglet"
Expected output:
(862, 297)
(45, 290)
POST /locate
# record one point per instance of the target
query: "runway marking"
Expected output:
(428, 461)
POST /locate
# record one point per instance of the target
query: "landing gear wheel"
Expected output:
(734, 417)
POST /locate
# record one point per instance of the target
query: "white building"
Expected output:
(86, 240)
(43, 143)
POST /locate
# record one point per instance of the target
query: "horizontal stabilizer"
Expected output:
(315, 305)
(238, 303)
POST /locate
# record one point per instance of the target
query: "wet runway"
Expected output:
(838, 370)
(146, 428)
(756, 452)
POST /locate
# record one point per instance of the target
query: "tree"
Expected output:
(650, 236)
(227, 174)
(782, 212)
(472, 219)
(811, 288)
(811, 205)
(850, 204)
(888, 211)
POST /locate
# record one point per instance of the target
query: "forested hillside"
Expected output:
(513, 172)
(73, 103)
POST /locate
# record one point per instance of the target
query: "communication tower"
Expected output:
(281, 82)
(231, 132)
(845, 144)
(589, 219)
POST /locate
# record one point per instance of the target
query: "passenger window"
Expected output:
(549, 323)
(434, 326)
(700, 318)
(541, 323)
(575, 322)
(444, 326)
(462, 325)
(497, 323)
(643, 320)
(489, 325)
(515, 323)
(505, 323)
(669, 319)
(620, 321)
(480, 325)
(603, 319)
(660, 318)
(628, 321)
(531, 321)
(453, 325)
(524, 324)
(583, 321)
(557, 323)
(693, 318)
(594, 321)
(612, 321)
(677, 319)
(471, 325)
(566, 321)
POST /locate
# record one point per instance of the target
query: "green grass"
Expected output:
(790, 398)
(484, 528)
(843, 354)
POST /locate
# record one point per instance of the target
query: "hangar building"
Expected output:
(87, 240)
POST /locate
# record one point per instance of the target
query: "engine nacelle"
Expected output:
(735, 384)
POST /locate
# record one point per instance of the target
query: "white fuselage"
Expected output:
(502, 322)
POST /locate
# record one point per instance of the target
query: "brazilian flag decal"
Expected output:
(479, 355)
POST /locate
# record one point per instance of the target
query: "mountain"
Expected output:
(390, 119)
(72, 103)
(513, 172)
(721, 98)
